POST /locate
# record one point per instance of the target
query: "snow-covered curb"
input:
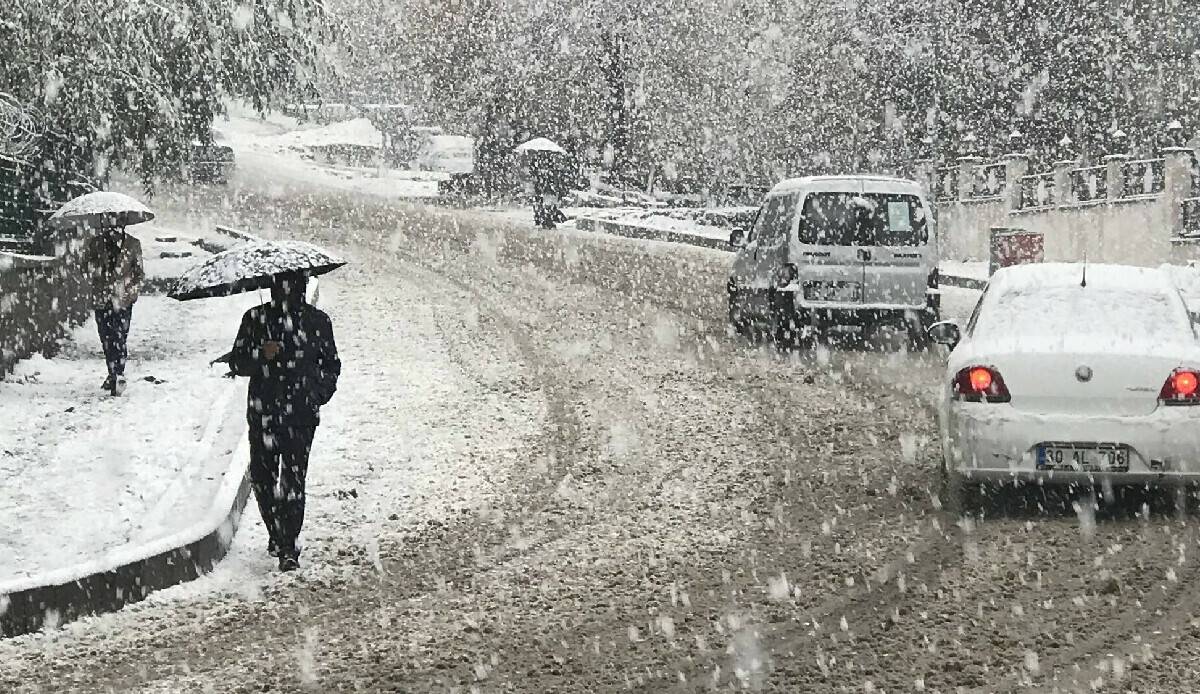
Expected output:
(130, 573)
(635, 231)
(963, 275)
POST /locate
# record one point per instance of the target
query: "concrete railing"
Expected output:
(1143, 177)
(1191, 218)
(1038, 190)
(1144, 211)
(1090, 183)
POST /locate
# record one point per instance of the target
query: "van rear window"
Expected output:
(863, 219)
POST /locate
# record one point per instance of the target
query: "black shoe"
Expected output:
(289, 562)
(109, 383)
(272, 548)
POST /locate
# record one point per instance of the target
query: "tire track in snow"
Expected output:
(921, 553)
(1113, 654)
(937, 547)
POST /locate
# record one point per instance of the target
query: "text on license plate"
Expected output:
(1083, 458)
(832, 291)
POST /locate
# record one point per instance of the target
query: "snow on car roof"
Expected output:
(1048, 305)
(795, 184)
(1127, 277)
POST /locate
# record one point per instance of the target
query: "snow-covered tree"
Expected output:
(132, 84)
(732, 88)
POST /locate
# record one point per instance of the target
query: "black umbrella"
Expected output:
(253, 266)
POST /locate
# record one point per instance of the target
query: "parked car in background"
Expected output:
(449, 154)
(210, 163)
(729, 217)
(828, 253)
(1071, 374)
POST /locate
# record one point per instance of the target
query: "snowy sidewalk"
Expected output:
(84, 475)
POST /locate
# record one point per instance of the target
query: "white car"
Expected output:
(1069, 374)
(826, 253)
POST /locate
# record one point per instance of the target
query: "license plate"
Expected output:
(1083, 458)
(835, 292)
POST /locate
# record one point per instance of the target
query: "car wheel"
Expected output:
(959, 497)
(919, 335)
(888, 335)
(785, 329)
(737, 314)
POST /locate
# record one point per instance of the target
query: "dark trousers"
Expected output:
(113, 325)
(278, 466)
(546, 214)
(539, 210)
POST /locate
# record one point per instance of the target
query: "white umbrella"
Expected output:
(541, 144)
(99, 210)
(253, 266)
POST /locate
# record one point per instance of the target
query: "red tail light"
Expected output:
(980, 384)
(1182, 388)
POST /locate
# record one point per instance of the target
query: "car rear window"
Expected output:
(863, 219)
(775, 219)
(1061, 313)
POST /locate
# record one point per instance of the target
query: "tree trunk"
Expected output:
(618, 108)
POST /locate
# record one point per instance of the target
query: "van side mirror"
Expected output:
(737, 237)
(945, 333)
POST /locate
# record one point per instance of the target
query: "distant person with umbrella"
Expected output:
(287, 350)
(112, 261)
(546, 164)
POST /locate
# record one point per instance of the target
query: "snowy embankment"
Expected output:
(87, 480)
(83, 475)
(273, 149)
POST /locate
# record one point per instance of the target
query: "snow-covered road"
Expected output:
(548, 469)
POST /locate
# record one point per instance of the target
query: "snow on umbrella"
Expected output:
(253, 266)
(101, 209)
(541, 144)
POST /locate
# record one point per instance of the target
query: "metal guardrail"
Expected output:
(1089, 183)
(28, 196)
(1143, 177)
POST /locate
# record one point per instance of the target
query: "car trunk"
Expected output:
(1117, 384)
(863, 248)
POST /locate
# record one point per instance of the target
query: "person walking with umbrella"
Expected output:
(113, 265)
(546, 163)
(287, 350)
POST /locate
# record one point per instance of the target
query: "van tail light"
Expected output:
(933, 280)
(785, 274)
(1182, 388)
(980, 384)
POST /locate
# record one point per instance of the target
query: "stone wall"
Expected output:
(1138, 212)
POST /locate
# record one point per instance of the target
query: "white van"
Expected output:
(831, 252)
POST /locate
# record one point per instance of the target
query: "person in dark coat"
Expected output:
(549, 188)
(287, 350)
(114, 266)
